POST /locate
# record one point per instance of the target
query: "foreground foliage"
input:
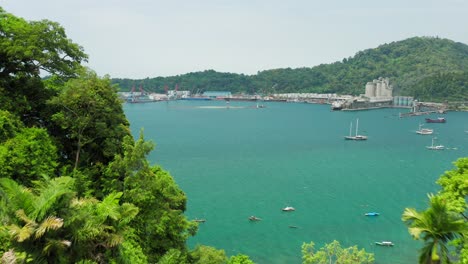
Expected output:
(75, 187)
(334, 253)
(444, 222)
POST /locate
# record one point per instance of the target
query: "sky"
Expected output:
(149, 38)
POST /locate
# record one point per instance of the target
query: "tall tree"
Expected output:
(28, 155)
(436, 226)
(91, 116)
(28, 49)
(161, 224)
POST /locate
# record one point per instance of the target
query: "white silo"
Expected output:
(378, 90)
(370, 89)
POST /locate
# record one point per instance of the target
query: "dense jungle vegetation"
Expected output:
(427, 68)
(76, 187)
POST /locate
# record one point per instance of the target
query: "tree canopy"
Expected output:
(75, 186)
(334, 253)
(443, 223)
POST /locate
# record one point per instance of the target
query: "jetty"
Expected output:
(408, 114)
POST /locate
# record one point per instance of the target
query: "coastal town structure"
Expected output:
(377, 94)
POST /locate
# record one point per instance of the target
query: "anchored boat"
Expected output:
(437, 120)
(385, 243)
(424, 131)
(435, 147)
(288, 209)
(372, 214)
(356, 136)
(254, 218)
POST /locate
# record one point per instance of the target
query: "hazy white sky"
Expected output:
(150, 38)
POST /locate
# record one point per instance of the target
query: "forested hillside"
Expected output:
(416, 66)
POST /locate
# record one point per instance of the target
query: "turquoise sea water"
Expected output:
(237, 162)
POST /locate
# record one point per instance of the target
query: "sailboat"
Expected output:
(357, 136)
(435, 147)
(424, 131)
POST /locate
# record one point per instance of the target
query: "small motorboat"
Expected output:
(254, 218)
(199, 220)
(288, 209)
(372, 214)
(385, 243)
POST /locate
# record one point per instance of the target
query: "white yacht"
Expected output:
(424, 131)
(435, 147)
(356, 136)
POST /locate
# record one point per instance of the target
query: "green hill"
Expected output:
(424, 67)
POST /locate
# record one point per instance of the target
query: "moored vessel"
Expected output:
(424, 131)
(356, 136)
(435, 147)
(385, 243)
(436, 120)
(288, 209)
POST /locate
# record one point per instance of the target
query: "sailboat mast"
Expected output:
(350, 128)
(357, 124)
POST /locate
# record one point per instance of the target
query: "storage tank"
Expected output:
(405, 101)
(370, 89)
(378, 90)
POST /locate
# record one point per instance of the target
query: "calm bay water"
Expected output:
(242, 161)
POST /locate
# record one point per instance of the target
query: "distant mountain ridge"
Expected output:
(420, 66)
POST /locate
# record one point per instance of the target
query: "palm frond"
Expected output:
(17, 196)
(410, 214)
(54, 245)
(128, 211)
(426, 253)
(23, 217)
(50, 223)
(50, 193)
(81, 202)
(114, 240)
(109, 207)
(21, 234)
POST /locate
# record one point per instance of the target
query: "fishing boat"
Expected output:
(372, 214)
(435, 147)
(356, 136)
(436, 120)
(424, 131)
(384, 243)
(288, 209)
